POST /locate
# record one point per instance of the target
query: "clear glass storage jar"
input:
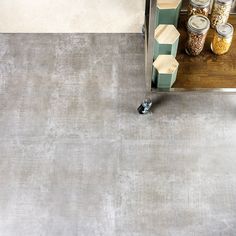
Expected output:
(222, 39)
(198, 27)
(220, 12)
(199, 7)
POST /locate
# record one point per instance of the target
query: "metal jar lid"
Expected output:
(225, 30)
(225, 2)
(198, 24)
(200, 3)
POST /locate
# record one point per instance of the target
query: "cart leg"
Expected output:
(145, 107)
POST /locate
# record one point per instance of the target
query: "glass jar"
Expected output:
(199, 7)
(222, 39)
(198, 27)
(220, 12)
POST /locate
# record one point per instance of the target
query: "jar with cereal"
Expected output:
(198, 27)
(199, 7)
(222, 39)
(220, 12)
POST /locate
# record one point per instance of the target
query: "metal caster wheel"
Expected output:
(143, 31)
(145, 107)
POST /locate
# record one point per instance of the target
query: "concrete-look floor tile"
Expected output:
(85, 183)
(152, 156)
(174, 204)
(171, 119)
(25, 182)
(69, 192)
(76, 159)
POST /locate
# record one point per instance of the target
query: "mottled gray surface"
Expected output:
(77, 159)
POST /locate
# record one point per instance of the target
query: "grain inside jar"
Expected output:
(199, 7)
(198, 27)
(222, 39)
(220, 12)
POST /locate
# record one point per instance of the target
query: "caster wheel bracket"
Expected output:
(145, 107)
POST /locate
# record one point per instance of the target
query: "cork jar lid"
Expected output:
(166, 64)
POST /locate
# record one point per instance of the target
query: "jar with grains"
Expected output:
(222, 39)
(199, 7)
(220, 12)
(198, 27)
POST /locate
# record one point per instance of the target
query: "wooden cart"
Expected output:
(204, 73)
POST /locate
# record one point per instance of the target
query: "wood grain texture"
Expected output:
(206, 70)
(166, 34)
(171, 4)
(166, 64)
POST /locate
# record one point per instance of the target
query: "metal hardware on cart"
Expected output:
(148, 29)
(143, 31)
(145, 107)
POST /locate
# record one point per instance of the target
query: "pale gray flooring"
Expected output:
(77, 159)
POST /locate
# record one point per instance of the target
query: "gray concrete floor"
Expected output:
(77, 159)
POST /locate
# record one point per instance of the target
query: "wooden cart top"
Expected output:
(206, 71)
